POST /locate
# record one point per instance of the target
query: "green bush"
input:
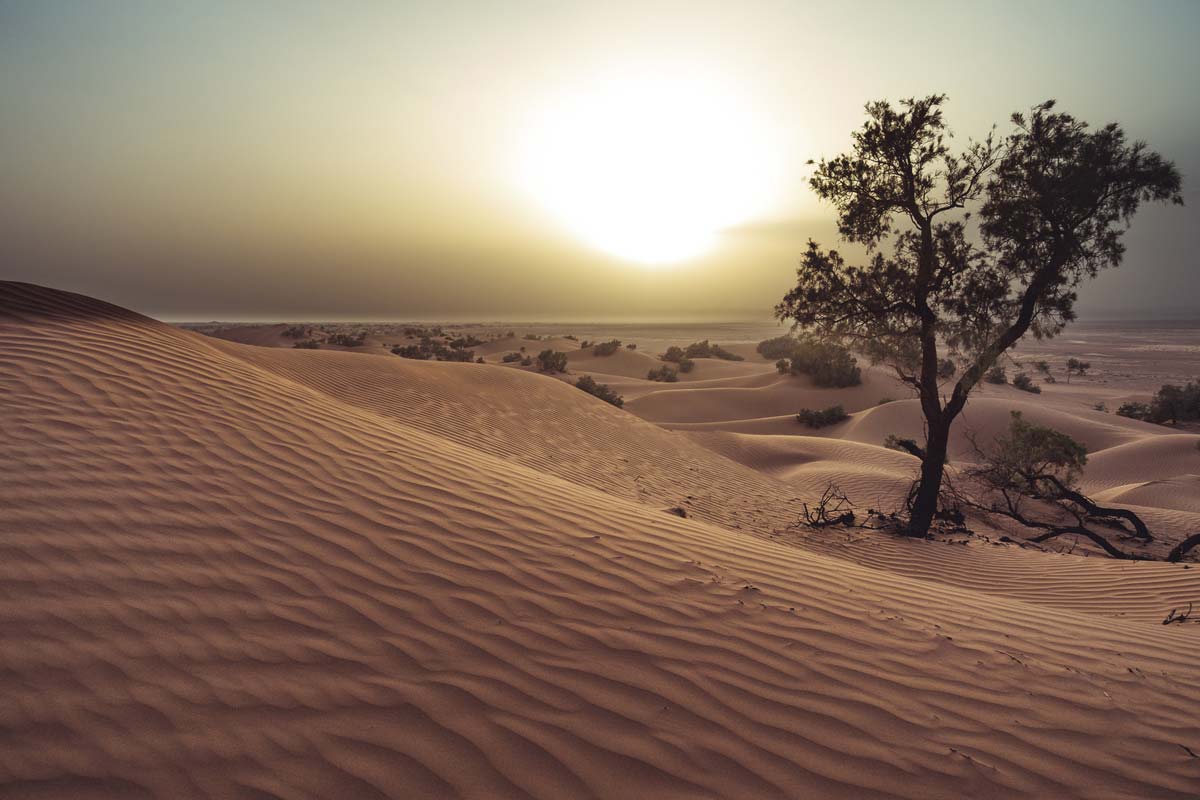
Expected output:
(827, 363)
(780, 347)
(706, 350)
(674, 354)
(1023, 382)
(347, 339)
(552, 361)
(606, 348)
(602, 390)
(663, 374)
(686, 365)
(1134, 410)
(814, 418)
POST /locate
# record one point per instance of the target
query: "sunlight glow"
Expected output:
(649, 166)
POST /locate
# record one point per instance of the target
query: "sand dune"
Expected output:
(236, 572)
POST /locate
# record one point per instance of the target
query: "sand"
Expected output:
(235, 571)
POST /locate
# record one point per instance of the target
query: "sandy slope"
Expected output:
(230, 574)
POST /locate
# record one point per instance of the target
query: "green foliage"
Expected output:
(1025, 459)
(664, 374)
(606, 348)
(1077, 367)
(552, 361)
(1171, 404)
(814, 418)
(430, 348)
(706, 350)
(602, 390)
(686, 365)
(1134, 410)
(827, 363)
(996, 374)
(946, 369)
(1023, 382)
(778, 348)
(674, 354)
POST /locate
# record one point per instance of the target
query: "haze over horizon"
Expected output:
(537, 162)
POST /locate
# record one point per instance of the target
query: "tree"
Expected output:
(1077, 367)
(1053, 200)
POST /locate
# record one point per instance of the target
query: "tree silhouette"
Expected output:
(1053, 198)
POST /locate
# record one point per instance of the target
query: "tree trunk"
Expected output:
(932, 467)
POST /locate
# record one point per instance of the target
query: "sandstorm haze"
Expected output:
(492, 160)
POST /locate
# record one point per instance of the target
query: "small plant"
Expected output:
(602, 390)
(706, 350)
(552, 361)
(946, 369)
(1134, 410)
(527, 361)
(686, 365)
(663, 374)
(533, 337)
(296, 331)
(572, 337)
(814, 418)
(606, 348)
(674, 354)
(631, 346)
(1023, 382)
(479, 360)
(827, 363)
(509, 358)
(1101, 406)
(1080, 368)
(996, 375)
(347, 339)
(307, 344)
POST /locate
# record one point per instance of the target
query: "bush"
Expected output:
(296, 331)
(819, 419)
(1025, 383)
(552, 361)
(996, 375)
(663, 374)
(606, 348)
(413, 351)
(527, 361)
(778, 348)
(1134, 410)
(509, 358)
(463, 342)
(308, 344)
(602, 390)
(1101, 406)
(347, 339)
(706, 350)
(533, 337)
(1080, 368)
(479, 360)
(946, 369)
(674, 354)
(631, 346)
(1176, 403)
(686, 365)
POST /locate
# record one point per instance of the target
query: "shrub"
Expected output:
(1101, 406)
(413, 351)
(1176, 403)
(533, 337)
(663, 374)
(946, 369)
(509, 358)
(602, 390)
(572, 337)
(674, 354)
(347, 339)
(463, 342)
(1134, 410)
(996, 375)
(606, 348)
(706, 350)
(1074, 365)
(778, 348)
(527, 361)
(814, 418)
(686, 365)
(552, 361)
(631, 346)
(479, 360)
(296, 331)
(308, 344)
(1023, 382)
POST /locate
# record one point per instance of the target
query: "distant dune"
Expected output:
(235, 571)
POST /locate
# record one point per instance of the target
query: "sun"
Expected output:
(648, 166)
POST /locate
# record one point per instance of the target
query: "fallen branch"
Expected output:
(1181, 549)
(1180, 618)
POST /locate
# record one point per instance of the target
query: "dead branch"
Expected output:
(1180, 550)
(1176, 617)
(834, 508)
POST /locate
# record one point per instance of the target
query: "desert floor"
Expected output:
(232, 568)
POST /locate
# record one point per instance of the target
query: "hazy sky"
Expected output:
(514, 160)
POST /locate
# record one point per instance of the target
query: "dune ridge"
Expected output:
(221, 580)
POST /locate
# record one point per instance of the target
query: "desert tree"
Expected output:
(1077, 367)
(966, 251)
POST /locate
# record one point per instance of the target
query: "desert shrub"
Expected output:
(527, 361)
(674, 354)
(308, 344)
(996, 375)
(533, 337)
(572, 337)
(778, 348)
(1134, 410)
(631, 346)
(585, 344)
(946, 369)
(347, 339)
(432, 349)
(663, 374)
(819, 418)
(1101, 406)
(606, 348)
(509, 358)
(413, 351)
(686, 365)
(706, 350)
(552, 361)
(296, 331)
(449, 354)
(463, 342)
(1023, 382)
(479, 360)
(1077, 367)
(827, 363)
(1176, 403)
(602, 390)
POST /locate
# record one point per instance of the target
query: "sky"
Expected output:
(526, 160)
